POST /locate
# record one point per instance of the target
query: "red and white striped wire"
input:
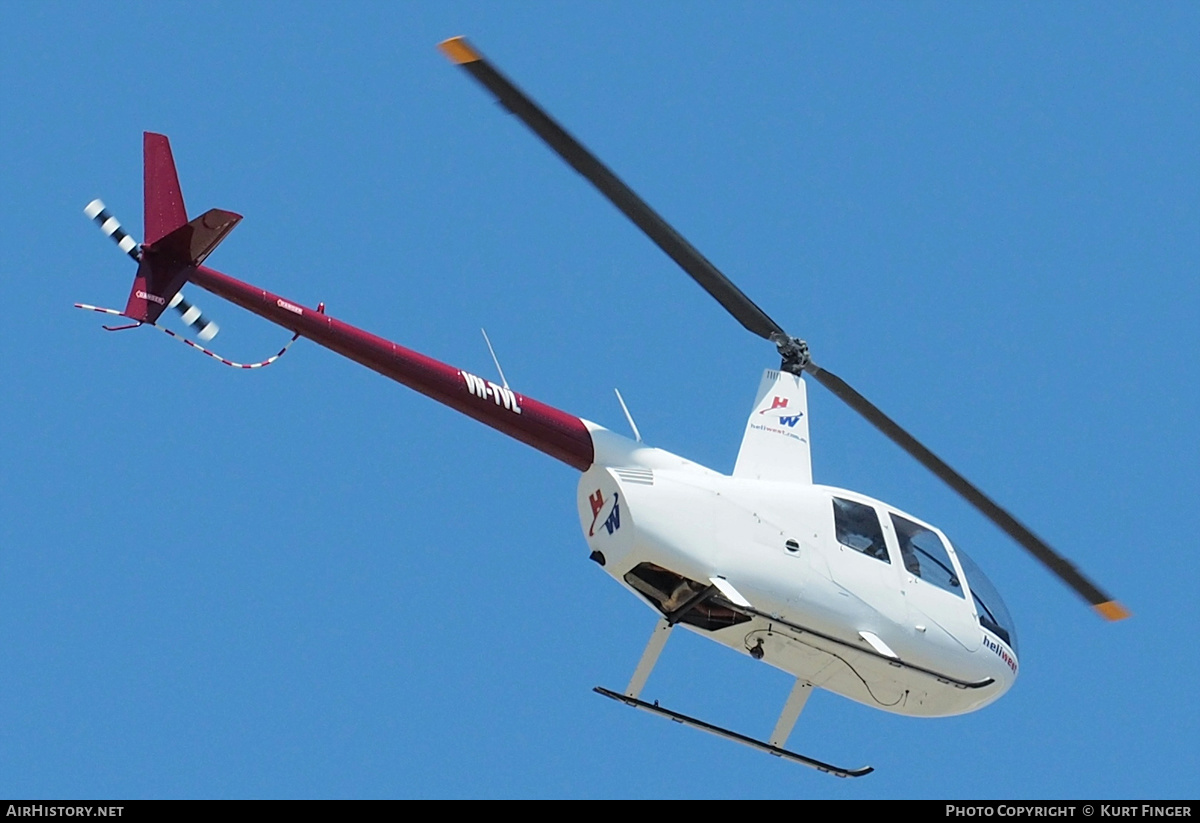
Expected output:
(197, 346)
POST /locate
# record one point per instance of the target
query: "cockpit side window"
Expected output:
(925, 556)
(858, 528)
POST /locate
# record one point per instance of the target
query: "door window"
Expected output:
(858, 528)
(925, 555)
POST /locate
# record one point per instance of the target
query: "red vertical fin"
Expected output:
(163, 198)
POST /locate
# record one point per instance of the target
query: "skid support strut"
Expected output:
(791, 713)
(649, 657)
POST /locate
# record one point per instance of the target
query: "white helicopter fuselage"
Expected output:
(861, 625)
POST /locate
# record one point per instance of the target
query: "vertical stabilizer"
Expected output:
(163, 198)
(775, 445)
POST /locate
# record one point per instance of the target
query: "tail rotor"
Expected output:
(189, 313)
(173, 250)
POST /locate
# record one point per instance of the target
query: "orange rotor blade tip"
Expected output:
(1112, 610)
(459, 50)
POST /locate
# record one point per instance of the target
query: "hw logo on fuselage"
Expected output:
(500, 395)
(602, 513)
(778, 408)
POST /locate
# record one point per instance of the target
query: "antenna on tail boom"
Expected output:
(503, 379)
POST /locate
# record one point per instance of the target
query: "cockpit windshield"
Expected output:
(993, 614)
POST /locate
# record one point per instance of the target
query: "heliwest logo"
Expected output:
(613, 521)
(779, 408)
(501, 395)
(1001, 653)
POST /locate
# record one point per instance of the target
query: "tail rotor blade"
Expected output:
(192, 317)
(111, 227)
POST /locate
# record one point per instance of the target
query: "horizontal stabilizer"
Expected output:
(194, 241)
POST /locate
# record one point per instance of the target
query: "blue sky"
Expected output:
(308, 581)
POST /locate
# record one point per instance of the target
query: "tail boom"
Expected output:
(173, 254)
(545, 428)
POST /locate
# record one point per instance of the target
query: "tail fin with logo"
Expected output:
(775, 445)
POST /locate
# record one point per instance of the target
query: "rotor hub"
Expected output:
(794, 352)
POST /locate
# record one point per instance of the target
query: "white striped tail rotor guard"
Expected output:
(232, 364)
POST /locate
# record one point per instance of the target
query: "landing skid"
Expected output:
(732, 735)
(783, 727)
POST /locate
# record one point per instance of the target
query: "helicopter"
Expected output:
(842, 591)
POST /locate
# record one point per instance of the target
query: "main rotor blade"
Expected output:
(619, 194)
(1107, 607)
(794, 351)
